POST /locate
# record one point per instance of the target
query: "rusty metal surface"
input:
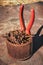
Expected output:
(9, 20)
(20, 52)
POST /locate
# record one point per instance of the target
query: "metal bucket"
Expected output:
(20, 51)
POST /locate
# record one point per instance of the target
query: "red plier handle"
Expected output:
(21, 18)
(28, 28)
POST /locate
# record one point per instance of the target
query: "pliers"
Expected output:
(22, 25)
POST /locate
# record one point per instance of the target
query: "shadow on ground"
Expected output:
(37, 40)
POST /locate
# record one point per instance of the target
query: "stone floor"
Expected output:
(9, 20)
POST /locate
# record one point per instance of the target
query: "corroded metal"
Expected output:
(20, 51)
